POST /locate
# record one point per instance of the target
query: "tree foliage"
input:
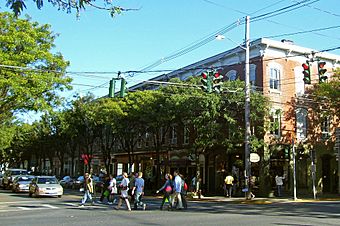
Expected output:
(30, 74)
(329, 93)
(18, 6)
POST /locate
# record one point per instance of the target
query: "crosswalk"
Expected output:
(32, 205)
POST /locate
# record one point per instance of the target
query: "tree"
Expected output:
(18, 6)
(329, 93)
(30, 75)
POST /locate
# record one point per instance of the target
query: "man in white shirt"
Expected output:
(279, 184)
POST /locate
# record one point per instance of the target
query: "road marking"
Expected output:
(23, 208)
(2, 203)
(50, 206)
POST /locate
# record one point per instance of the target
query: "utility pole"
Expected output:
(247, 113)
(294, 169)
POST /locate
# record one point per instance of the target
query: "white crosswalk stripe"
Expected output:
(24, 206)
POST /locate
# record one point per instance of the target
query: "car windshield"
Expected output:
(19, 172)
(25, 178)
(47, 180)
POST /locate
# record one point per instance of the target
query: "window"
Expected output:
(325, 124)
(147, 139)
(232, 75)
(275, 122)
(275, 77)
(186, 134)
(301, 123)
(139, 141)
(252, 76)
(173, 135)
(119, 168)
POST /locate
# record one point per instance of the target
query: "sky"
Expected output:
(98, 46)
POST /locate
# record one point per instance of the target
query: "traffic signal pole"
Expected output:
(247, 171)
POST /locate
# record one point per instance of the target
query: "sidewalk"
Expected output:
(261, 200)
(240, 200)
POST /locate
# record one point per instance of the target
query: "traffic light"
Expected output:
(217, 81)
(112, 88)
(322, 71)
(306, 73)
(206, 81)
(123, 89)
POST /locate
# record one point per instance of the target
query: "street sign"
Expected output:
(254, 157)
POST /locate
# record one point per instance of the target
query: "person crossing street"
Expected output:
(138, 191)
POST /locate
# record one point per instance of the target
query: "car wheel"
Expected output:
(59, 196)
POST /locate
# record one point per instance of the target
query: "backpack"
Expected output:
(185, 186)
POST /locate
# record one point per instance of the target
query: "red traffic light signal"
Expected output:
(305, 66)
(306, 73)
(204, 75)
(216, 74)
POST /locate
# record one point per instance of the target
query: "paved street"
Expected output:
(19, 209)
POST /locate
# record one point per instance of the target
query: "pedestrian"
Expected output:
(113, 190)
(228, 184)
(167, 189)
(184, 189)
(88, 189)
(105, 190)
(279, 184)
(132, 178)
(124, 188)
(138, 191)
(177, 191)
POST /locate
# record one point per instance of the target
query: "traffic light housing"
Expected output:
(306, 73)
(322, 72)
(217, 81)
(123, 88)
(206, 82)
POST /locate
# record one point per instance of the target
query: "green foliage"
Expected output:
(216, 120)
(18, 6)
(32, 75)
(329, 94)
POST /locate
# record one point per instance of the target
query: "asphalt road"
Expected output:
(19, 209)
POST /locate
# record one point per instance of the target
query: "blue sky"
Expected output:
(133, 40)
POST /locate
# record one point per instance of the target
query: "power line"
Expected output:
(303, 32)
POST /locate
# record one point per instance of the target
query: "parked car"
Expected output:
(45, 186)
(21, 183)
(9, 175)
(67, 182)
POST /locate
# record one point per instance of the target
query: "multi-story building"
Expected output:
(276, 71)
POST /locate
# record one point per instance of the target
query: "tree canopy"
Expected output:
(30, 74)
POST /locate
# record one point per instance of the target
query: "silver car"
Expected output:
(45, 186)
(21, 183)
